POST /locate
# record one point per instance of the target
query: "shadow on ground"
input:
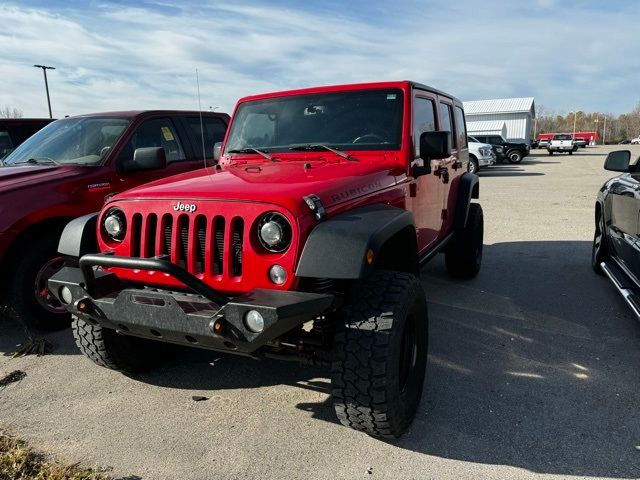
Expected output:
(533, 364)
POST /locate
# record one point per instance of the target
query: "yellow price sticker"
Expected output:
(166, 133)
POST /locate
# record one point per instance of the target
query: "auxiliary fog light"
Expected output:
(277, 274)
(254, 321)
(65, 295)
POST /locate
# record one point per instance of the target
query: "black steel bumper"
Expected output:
(184, 318)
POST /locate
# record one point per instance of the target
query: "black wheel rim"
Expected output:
(408, 353)
(43, 296)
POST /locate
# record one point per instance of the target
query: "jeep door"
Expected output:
(425, 199)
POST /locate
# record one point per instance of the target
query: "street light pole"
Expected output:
(604, 130)
(46, 84)
(575, 115)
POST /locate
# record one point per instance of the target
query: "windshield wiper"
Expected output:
(39, 161)
(320, 146)
(253, 150)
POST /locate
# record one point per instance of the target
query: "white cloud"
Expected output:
(111, 57)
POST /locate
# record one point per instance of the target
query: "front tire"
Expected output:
(380, 355)
(109, 349)
(27, 291)
(474, 167)
(515, 156)
(463, 255)
(599, 251)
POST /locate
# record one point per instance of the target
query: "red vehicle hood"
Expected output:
(12, 178)
(284, 183)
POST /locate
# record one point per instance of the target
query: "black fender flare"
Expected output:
(468, 188)
(337, 248)
(79, 236)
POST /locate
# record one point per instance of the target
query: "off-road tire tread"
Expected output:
(361, 353)
(101, 346)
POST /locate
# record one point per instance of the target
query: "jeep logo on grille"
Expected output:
(185, 207)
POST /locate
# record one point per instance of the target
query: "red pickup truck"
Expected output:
(68, 169)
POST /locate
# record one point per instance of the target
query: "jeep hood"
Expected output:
(284, 183)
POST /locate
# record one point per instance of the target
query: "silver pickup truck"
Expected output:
(562, 142)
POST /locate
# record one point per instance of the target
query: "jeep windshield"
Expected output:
(348, 120)
(70, 141)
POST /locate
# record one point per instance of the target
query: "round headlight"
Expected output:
(277, 274)
(274, 232)
(115, 224)
(254, 321)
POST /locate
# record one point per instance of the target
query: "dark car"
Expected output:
(68, 169)
(625, 142)
(14, 131)
(514, 152)
(615, 251)
(535, 143)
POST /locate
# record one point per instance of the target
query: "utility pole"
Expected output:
(46, 84)
(604, 130)
(575, 115)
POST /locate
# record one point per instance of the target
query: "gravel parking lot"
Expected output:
(533, 372)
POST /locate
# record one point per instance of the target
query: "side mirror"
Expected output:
(435, 145)
(217, 151)
(618, 161)
(150, 158)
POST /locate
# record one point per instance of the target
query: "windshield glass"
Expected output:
(70, 141)
(354, 120)
(562, 137)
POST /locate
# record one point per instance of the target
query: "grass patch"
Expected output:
(19, 462)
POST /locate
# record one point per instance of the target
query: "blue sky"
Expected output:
(128, 55)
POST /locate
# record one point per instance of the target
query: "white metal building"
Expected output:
(491, 127)
(516, 113)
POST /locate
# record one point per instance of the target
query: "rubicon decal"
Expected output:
(353, 192)
(185, 207)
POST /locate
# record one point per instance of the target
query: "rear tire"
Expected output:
(380, 355)
(463, 255)
(26, 279)
(570, 152)
(109, 349)
(550, 152)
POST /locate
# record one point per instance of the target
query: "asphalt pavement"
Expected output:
(534, 372)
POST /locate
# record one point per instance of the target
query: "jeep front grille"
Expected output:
(187, 240)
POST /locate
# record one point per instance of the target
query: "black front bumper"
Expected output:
(102, 299)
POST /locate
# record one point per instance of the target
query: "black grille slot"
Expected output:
(236, 247)
(167, 231)
(183, 240)
(201, 238)
(218, 247)
(136, 231)
(152, 224)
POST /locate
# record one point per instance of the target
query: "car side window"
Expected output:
(446, 125)
(424, 120)
(158, 132)
(461, 128)
(214, 130)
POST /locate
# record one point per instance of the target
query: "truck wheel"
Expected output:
(473, 165)
(27, 292)
(570, 152)
(550, 152)
(463, 255)
(380, 355)
(599, 251)
(109, 349)
(514, 156)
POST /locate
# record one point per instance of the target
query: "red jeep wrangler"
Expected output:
(305, 240)
(66, 170)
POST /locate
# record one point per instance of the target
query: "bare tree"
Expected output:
(10, 112)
